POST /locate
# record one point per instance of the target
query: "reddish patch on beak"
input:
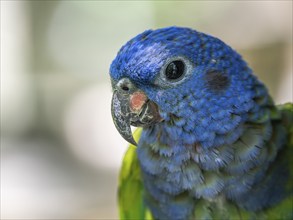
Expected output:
(137, 100)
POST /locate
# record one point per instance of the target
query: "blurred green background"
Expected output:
(60, 153)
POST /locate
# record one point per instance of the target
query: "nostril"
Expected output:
(124, 85)
(125, 88)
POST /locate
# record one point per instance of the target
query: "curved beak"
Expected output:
(130, 106)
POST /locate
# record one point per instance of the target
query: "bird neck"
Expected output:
(236, 166)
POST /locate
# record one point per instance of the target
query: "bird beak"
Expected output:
(131, 106)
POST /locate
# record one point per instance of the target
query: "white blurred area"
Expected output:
(60, 152)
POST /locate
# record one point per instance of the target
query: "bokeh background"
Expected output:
(60, 153)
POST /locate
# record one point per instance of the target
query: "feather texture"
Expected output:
(221, 148)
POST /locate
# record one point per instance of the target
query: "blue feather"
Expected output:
(217, 136)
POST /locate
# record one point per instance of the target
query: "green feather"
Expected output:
(131, 189)
(287, 119)
(130, 193)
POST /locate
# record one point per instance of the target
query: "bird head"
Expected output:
(176, 75)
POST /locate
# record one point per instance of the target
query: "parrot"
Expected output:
(210, 142)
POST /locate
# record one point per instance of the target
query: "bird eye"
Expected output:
(175, 70)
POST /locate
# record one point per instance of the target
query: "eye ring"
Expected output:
(175, 70)
(164, 81)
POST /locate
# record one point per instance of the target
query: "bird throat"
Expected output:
(235, 168)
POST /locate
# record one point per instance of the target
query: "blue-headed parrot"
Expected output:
(211, 143)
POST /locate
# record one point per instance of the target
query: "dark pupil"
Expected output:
(175, 69)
